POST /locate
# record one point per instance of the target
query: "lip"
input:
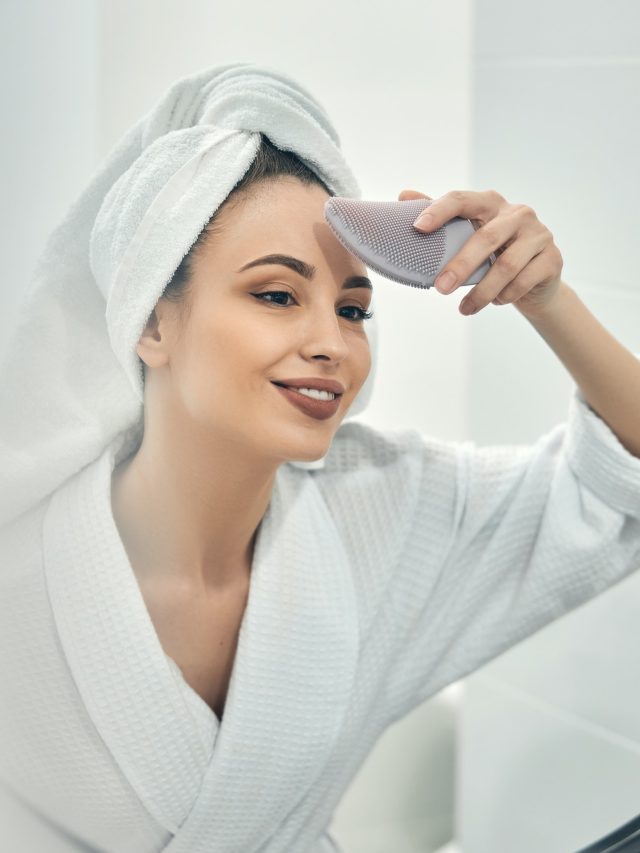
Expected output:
(318, 409)
(312, 382)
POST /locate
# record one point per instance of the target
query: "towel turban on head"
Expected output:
(71, 382)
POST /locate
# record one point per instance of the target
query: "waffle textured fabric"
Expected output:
(72, 380)
(404, 564)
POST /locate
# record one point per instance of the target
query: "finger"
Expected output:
(499, 232)
(515, 272)
(410, 195)
(535, 273)
(481, 206)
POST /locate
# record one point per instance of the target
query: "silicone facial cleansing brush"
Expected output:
(382, 236)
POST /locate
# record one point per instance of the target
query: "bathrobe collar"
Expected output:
(291, 681)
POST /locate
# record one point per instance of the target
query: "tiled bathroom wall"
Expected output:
(549, 740)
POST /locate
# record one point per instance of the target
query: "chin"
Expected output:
(308, 456)
(307, 453)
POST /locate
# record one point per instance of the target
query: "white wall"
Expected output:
(549, 753)
(48, 93)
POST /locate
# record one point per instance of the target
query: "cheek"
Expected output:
(362, 360)
(204, 366)
(234, 356)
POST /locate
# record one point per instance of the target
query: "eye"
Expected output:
(272, 293)
(361, 315)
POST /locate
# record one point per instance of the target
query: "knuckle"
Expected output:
(525, 211)
(457, 195)
(515, 211)
(507, 264)
(488, 234)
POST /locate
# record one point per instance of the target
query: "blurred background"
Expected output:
(539, 750)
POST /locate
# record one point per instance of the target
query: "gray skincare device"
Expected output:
(382, 236)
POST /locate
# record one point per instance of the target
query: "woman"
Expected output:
(233, 593)
(217, 353)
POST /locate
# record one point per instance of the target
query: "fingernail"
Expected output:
(445, 282)
(425, 220)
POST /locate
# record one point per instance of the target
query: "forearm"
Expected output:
(606, 372)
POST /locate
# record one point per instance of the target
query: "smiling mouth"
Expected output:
(311, 406)
(336, 396)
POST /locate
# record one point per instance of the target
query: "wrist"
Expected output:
(547, 307)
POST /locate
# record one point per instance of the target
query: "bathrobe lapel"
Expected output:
(290, 687)
(113, 652)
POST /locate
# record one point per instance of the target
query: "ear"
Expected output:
(154, 343)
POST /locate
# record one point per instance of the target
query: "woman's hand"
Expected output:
(528, 263)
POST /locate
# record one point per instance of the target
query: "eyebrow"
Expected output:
(305, 270)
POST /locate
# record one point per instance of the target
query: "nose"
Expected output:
(324, 335)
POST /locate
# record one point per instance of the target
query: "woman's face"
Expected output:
(237, 340)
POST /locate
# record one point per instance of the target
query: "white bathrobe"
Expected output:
(404, 564)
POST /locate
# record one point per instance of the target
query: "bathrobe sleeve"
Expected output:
(502, 541)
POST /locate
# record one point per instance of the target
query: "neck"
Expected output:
(191, 513)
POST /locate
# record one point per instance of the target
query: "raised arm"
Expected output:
(527, 275)
(606, 372)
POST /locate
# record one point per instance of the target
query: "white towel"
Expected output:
(71, 381)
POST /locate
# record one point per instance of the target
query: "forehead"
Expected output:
(284, 197)
(281, 216)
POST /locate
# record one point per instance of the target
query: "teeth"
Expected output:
(317, 395)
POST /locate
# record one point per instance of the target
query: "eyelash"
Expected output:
(364, 315)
